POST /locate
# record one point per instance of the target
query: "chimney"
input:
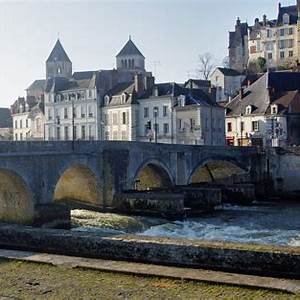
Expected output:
(149, 82)
(256, 21)
(139, 83)
(238, 24)
(279, 6)
(241, 93)
(265, 19)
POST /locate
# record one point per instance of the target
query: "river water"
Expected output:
(263, 223)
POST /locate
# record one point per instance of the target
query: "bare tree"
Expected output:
(225, 62)
(206, 65)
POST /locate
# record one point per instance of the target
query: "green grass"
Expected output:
(22, 280)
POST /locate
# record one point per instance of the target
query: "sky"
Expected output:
(170, 33)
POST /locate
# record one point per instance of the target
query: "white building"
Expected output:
(227, 83)
(267, 113)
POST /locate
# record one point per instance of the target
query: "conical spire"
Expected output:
(58, 53)
(130, 49)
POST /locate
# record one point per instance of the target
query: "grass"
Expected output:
(23, 280)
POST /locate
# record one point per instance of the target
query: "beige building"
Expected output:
(267, 113)
(276, 40)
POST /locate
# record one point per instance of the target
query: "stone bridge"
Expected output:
(38, 173)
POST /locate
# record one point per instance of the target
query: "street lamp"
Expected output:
(155, 110)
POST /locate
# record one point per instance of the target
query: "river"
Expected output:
(261, 223)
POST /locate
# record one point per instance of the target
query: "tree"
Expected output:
(261, 63)
(225, 62)
(206, 65)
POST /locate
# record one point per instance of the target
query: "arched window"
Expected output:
(286, 19)
(58, 70)
(126, 63)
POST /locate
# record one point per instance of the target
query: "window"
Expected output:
(270, 56)
(179, 124)
(90, 110)
(274, 109)
(269, 46)
(229, 127)
(66, 113)
(165, 110)
(269, 33)
(16, 137)
(75, 132)
(16, 124)
(83, 132)
(58, 133)
(166, 128)
(155, 111)
(255, 126)
(291, 53)
(290, 43)
(91, 134)
(115, 119)
(90, 93)
(281, 55)
(124, 135)
(58, 70)
(248, 110)
(281, 32)
(26, 123)
(123, 118)
(82, 112)
(21, 136)
(192, 124)
(146, 112)
(49, 114)
(66, 133)
(21, 124)
(106, 135)
(281, 44)
(242, 126)
(291, 31)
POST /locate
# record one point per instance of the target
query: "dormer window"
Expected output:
(286, 19)
(181, 100)
(124, 96)
(274, 109)
(106, 99)
(248, 109)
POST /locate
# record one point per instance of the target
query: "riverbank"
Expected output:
(24, 280)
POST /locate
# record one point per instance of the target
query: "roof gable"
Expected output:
(130, 49)
(58, 53)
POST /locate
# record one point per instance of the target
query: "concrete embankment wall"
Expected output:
(251, 259)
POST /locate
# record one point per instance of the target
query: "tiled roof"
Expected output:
(130, 49)
(83, 75)
(58, 53)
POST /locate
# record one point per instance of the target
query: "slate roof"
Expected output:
(127, 88)
(291, 11)
(130, 49)
(5, 118)
(58, 53)
(37, 84)
(197, 82)
(283, 87)
(229, 72)
(83, 75)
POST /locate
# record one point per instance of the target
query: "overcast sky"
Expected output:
(170, 33)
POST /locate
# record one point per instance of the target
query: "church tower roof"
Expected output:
(58, 53)
(130, 49)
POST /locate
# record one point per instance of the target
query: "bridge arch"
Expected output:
(16, 201)
(152, 174)
(217, 169)
(78, 183)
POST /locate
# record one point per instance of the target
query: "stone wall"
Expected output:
(239, 258)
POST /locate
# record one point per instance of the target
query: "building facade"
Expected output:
(277, 41)
(267, 113)
(227, 83)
